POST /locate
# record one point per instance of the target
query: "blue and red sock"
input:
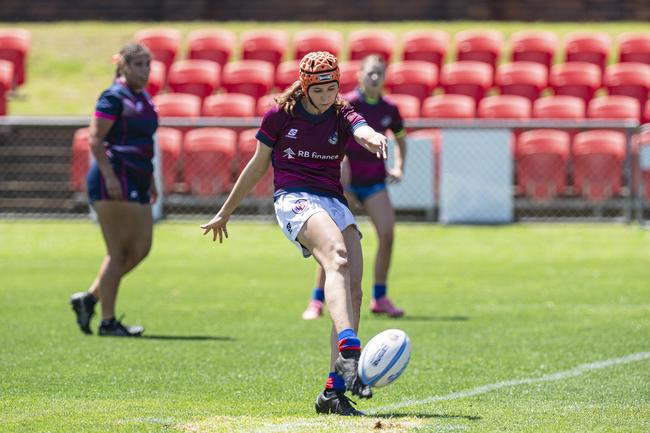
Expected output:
(348, 340)
(318, 294)
(379, 291)
(335, 382)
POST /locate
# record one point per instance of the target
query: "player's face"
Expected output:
(372, 77)
(323, 95)
(136, 72)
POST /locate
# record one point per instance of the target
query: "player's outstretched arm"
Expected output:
(251, 174)
(372, 140)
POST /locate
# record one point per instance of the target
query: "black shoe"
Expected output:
(83, 304)
(336, 402)
(347, 366)
(115, 328)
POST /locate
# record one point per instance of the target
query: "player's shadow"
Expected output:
(424, 415)
(187, 337)
(416, 318)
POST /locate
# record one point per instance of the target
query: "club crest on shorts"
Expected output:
(334, 138)
(300, 206)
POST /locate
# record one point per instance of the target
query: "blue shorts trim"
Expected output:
(135, 183)
(362, 193)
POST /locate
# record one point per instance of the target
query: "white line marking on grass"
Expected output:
(560, 375)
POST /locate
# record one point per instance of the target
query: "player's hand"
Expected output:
(377, 143)
(218, 226)
(113, 188)
(394, 175)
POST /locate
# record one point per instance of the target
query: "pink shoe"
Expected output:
(314, 310)
(384, 306)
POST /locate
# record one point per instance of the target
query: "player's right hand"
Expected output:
(113, 188)
(218, 227)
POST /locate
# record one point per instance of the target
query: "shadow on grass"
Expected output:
(424, 318)
(186, 337)
(424, 415)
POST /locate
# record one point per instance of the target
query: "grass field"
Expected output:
(69, 64)
(499, 317)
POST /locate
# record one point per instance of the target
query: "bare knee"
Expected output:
(385, 237)
(337, 258)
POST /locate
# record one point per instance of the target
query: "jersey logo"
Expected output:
(334, 138)
(292, 133)
(385, 121)
(288, 153)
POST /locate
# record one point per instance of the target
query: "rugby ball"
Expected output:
(384, 358)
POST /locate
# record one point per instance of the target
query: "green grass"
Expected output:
(69, 64)
(484, 305)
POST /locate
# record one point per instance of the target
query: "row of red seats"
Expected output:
(206, 161)
(14, 46)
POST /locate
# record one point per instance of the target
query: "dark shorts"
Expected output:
(135, 183)
(363, 192)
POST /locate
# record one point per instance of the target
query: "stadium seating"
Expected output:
(307, 41)
(208, 158)
(157, 78)
(466, 77)
(480, 45)
(408, 105)
(252, 77)
(349, 79)
(526, 79)
(362, 43)
(559, 107)
(613, 107)
(646, 113)
(425, 45)
(265, 44)
(265, 103)
(80, 159)
(412, 77)
(629, 79)
(534, 46)
(598, 157)
(590, 47)
(162, 42)
(14, 46)
(6, 83)
(634, 47)
(504, 107)
(449, 106)
(286, 74)
(579, 79)
(196, 77)
(169, 143)
(229, 105)
(541, 159)
(178, 105)
(246, 150)
(211, 44)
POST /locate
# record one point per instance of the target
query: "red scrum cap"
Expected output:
(318, 67)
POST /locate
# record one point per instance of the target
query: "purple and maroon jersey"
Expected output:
(308, 149)
(131, 137)
(365, 168)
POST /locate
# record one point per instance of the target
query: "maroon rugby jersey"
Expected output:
(366, 169)
(308, 149)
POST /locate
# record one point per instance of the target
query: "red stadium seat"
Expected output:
(363, 43)
(265, 103)
(349, 79)
(211, 44)
(425, 45)
(559, 107)
(80, 159)
(247, 146)
(6, 83)
(480, 45)
(252, 77)
(196, 77)
(504, 107)
(590, 47)
(629, 79)
(209, 154)
(598, 157)
(634, 47)
(467, 78)
(579, 79)
(412, 77)
(408, 105)
(169, 143)
(229, 105)
(534, 46)
(265, 44)
(541, 158)
(14, 45)
(307, 41)
(178, 105)
(435, 136)
(286, 74)
(646, 113)
(163, 44)
(449, 106)
(526, 79)
(157, 78)
(613, 107)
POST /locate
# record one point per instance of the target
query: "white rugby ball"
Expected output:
(384, 358)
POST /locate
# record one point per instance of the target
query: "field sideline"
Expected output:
(492, 309)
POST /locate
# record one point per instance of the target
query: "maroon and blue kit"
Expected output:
(129, 143)
(366, 169)
(308, 149)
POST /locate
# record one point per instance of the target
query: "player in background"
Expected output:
(305, 136)
(121, 187)
(367, 183)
